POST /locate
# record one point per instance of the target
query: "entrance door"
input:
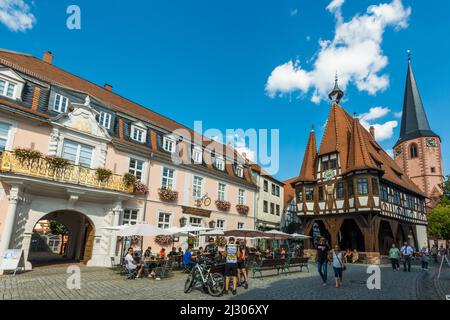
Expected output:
(89, 244)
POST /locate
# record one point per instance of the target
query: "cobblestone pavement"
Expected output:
(103, 283)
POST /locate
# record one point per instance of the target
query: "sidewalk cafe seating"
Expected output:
(164, 270)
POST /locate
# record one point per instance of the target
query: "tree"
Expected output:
(445, 187)
(439, 221)
(292, 227)
(57, 228)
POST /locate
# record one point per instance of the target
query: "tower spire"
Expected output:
(414, 119)
(336, 94)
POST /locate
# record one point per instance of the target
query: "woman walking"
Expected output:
(338, 265)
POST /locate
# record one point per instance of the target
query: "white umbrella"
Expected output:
(277, 235)
(299, 236)
(214, 232)
(185, 231)
(244, 233)
(115, 228)
(141, 230)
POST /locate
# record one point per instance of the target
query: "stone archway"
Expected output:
(350, 236)
(385, 237)
(80, 238)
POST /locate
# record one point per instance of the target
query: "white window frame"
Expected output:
(102, 119)
(223, 224)
(143, 132)
(11, 133)
(58, 108)
(197, 155)
(77, 159)
(240, 171)
(223, 192)
(195, 194)
(241, 225)
(219, 163)
(136, 221)
(135, 169)
(241, 199)
(5, 89)
(197, 233)
(166, 141)
(169, 224)
(168, 178)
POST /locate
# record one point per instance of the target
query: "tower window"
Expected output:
(433, 170)
(413, 151)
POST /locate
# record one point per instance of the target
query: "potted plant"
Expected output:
(167, 194)
(163, 240)
(103, 174)
(57, 164)
(140, 188)
(242, 209)
(223, 205)
(129, 179)
(27, 155)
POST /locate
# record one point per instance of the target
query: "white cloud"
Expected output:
(294, 12)
(355, 53)
(16, 15)
(390, 152)
(383, 131)
(398, 114)
(238, 143)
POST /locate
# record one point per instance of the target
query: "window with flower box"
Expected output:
(241, 196)
(197, 187)
(164, 220)
(221, 191)
(167, 178)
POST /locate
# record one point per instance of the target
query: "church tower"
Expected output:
(418, 149)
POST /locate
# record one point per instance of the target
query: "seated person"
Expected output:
(347, 256)
(282, 253)
(148, 252)
(188, 258)
(173, 253)
(131, 263)
(355, 256)
(162, 253)
(211, 248)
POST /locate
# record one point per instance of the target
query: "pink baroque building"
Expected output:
(59, 132)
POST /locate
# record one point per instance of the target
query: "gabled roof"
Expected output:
(414, 119)
(359, 156)
(307, 172)
(289, 191)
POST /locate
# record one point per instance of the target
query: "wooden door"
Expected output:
(89, 244)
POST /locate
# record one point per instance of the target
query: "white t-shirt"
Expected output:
(337, 260)
(130, 262)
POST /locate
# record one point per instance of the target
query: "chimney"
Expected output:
(108, 87)
(48, 57)
(372, 131)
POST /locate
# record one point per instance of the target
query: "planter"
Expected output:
(167, 194)
(57, 164)
(140, 188)
(242, 209)
(27, 155)
(129, 179)
(223, 205)
(164, 240)
(103, 174)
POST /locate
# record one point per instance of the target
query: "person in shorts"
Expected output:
(231, 267)
(241, 265)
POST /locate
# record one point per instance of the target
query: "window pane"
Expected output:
(10, 91)
(2, 87)
(70, 150)
(85, 156)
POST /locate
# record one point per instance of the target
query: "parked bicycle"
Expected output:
(212, 282)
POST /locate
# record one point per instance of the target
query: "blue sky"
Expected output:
(251, 63)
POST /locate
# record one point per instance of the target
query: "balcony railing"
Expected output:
(71, 174)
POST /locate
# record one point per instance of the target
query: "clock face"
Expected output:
(431, 143)
(398, 151)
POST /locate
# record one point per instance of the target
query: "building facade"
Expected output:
(353, 193)
(269, 204)
(59, 132)
(418, 150)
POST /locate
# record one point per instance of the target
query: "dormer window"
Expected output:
(60, 104)
(168, 144)
(7, 88)
(220, 164)
(105, 119)
(137, 134)
(239, 171)
(197, 155)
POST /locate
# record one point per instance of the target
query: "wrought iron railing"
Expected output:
(74, 174)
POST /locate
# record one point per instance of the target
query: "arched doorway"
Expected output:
(385, 236)
(319, 230)
(350, 236)
(61, 237)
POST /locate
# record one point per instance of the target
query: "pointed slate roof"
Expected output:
(414, 119)
(307, 172)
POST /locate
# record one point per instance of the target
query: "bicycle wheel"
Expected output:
(216, 284)
(189, 283)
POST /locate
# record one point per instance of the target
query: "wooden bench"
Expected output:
(268, 264)
(295, 262)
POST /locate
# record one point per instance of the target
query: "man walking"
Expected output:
(322, 260)
(231, 267)
(406, 251)
(393, 255)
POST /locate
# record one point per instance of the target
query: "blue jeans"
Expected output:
(322, 267)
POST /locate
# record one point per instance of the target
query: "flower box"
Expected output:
(242, 209)
(223, 205)
(167, 194)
